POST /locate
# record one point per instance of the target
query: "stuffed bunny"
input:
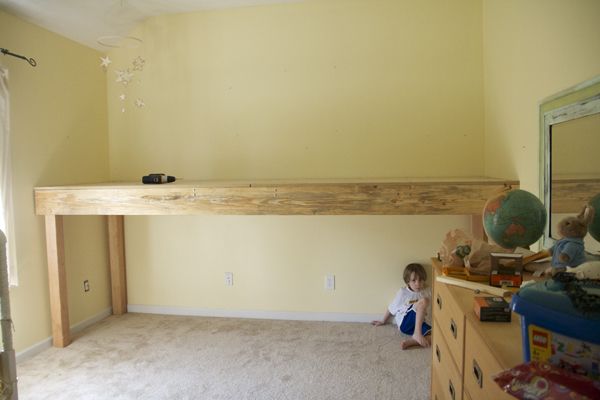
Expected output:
(569, 250)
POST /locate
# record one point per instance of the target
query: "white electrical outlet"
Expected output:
(228, 278)
(330, 282)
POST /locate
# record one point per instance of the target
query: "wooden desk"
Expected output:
(452, 196)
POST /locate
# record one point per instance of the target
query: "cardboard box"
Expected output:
(491, 309)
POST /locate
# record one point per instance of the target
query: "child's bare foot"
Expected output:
(408, 343)
(415, 340)
(419, 338)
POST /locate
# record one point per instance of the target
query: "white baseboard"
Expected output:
(47, 343)
(33, 350)
(91, 321)
(285, 315)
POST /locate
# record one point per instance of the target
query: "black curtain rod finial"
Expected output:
(7, 52)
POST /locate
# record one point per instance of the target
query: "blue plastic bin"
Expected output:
(554, 330)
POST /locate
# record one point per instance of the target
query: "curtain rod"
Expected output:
(7, 52)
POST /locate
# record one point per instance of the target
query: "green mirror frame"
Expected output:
(577, 102)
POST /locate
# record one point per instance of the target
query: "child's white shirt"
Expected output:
(404, 300)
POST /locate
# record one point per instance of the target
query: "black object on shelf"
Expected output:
(157, 178)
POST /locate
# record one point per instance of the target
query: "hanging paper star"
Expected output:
(140, 103)
(138, 63)
(122, 97)
(124, 77)
(105, 61)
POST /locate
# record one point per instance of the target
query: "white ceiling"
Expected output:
(84, 21)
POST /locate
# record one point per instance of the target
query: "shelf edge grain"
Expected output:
(451, 196)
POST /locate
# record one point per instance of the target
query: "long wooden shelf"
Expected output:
(451, 196)
(570, 194)
(458, 196)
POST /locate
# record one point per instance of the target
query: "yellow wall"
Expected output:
(317, 89)
(59, 135)
(532, 50)
(323, 89)
(279, 263)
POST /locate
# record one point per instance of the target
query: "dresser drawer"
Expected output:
(437, 392)
(481, 366)
(444, 370)
(451, 322)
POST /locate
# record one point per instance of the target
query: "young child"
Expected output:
(411, 307)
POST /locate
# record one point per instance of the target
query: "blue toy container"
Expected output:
(555, 330)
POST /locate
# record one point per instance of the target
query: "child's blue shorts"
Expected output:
(407, 326)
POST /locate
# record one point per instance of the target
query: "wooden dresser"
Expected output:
(467, 352)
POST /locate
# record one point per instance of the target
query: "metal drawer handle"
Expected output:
(451, 389)
(453, 328)
(437, 353)
(438, 300)
(477, 373)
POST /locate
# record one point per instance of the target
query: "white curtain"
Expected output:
(6, 206)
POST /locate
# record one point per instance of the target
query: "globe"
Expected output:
(515, 218)
(594, 227)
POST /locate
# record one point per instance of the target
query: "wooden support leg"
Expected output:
(477, 229)
(57, 279)
(116, 250)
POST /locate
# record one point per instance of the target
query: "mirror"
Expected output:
(570, 155)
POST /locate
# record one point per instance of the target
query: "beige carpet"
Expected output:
(143, 356)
